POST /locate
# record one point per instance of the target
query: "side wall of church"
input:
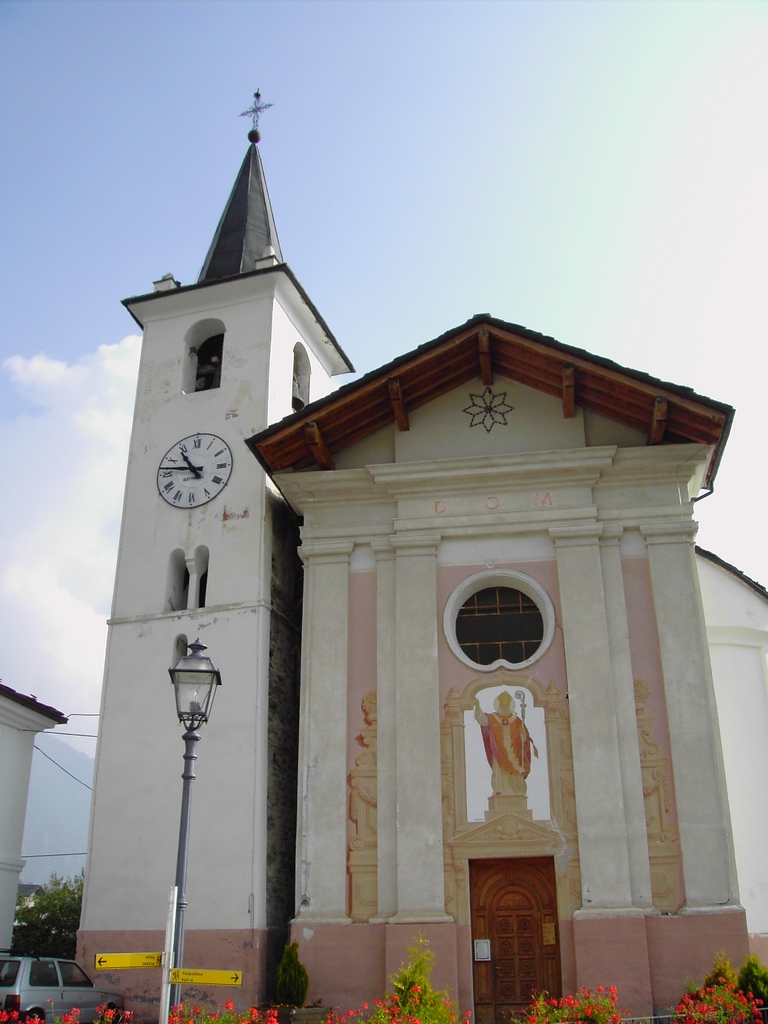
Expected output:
(737, 630)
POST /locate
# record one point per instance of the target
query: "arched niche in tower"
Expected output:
(302, 371)
(177, 583)
(201, 576)
(204, 356)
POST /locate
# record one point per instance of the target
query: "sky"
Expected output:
(595, 171)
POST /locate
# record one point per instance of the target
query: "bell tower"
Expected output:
(207, 549)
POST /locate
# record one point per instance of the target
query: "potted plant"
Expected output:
(291, 990)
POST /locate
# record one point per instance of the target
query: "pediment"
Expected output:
(508, 830)
(487, 353)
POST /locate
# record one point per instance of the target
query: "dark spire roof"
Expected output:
(246, 232)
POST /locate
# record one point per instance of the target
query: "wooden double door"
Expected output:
(516, 949)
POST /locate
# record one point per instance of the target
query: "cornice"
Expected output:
(524, 469)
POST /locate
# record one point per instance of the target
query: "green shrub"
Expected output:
(412, 1001)
(413, 994)
(292, 977)
(722, 972)
(753, 977)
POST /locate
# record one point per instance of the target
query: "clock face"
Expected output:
(194, 470)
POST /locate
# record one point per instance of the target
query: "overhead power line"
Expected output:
(32, 856)
(66, 773)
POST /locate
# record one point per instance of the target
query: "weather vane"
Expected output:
(254, 112)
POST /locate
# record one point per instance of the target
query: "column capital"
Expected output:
(670, 532)
(612, 533)
(416, 542)
(577, 534)
(382, 548)
(326, 550)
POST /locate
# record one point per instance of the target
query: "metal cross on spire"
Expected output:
(254, 112)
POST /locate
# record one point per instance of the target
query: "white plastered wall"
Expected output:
(137, 793)
(737, 630)
(18, 728)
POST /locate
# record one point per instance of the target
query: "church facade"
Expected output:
(466, 690)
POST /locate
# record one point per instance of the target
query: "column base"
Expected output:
(606, 913)
(729, 908)
(313, 917)
(420, 917)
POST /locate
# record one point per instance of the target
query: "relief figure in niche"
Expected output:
(508, 746)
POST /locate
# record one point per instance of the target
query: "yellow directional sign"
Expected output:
(184, 976)
(125, 961)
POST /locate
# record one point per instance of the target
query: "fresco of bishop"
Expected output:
(508, 746)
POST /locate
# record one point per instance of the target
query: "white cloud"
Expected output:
(64, 473)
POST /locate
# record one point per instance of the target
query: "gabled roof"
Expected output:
(710, 556)
(33, 704)
(484, 347)
(246, 231)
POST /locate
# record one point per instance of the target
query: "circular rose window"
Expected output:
(499, 618)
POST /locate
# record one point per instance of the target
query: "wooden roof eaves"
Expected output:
(433, 361)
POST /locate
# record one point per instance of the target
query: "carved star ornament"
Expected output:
(488, 409)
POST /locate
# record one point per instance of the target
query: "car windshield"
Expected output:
(8, 971)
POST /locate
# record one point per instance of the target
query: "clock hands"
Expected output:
(197, 470)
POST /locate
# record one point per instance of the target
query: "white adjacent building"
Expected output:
(467, 689)
(21, 719)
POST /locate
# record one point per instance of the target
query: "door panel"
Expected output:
(514, 905)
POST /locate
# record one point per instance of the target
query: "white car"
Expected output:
(47, 987)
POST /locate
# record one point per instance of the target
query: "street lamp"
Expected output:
(195, 679)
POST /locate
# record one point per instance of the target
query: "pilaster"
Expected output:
(321, 863)
(602, 830)
(626, 718)
(420, 886)
(702, 810)
(386, 788)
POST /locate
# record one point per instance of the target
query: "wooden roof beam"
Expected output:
(569, 391)
(484, 355)
(658, 420)
(317, 446)
(398, 404)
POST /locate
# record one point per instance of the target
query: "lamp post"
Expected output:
(194, 679)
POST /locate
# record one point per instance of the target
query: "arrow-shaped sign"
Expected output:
(126, 961)
(184, 976)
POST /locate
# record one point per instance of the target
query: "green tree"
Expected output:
(46, 924)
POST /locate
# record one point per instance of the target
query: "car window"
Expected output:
(73, 976)
(8, 971)
(42, 973)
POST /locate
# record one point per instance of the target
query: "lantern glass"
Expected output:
(195, 679)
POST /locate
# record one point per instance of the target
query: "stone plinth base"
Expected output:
(498, 805)
(682, 947)
(614, 951)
